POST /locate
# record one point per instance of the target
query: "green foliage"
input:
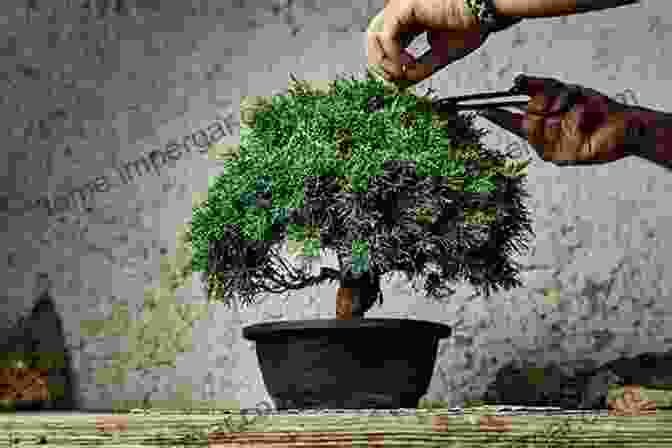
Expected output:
(32, 360)
(286, 147)
(360, 256)
(480, 217)
(333, 138)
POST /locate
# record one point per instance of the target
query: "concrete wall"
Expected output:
(82, 94)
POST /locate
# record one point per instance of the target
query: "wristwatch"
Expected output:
(488, 17)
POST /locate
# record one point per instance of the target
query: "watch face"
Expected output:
(491, 21)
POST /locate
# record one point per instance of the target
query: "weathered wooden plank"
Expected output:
(476, 427)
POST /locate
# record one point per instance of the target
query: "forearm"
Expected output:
(651, 135)
(554, 8)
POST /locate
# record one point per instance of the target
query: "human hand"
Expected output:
(568, 124)
(452, 32)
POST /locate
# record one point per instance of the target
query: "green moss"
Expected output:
(431, 404)
(32, 360)
(161, 333)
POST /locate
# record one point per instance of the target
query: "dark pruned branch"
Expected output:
(273, 275)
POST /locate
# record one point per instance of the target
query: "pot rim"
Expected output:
(271, 329)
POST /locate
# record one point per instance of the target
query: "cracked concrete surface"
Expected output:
(595, 277)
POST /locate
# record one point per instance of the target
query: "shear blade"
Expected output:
(506, 120)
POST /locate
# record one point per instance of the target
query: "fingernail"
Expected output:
(407, 58)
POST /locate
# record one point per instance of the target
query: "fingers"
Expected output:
(379, 52)
(535, 127)
(553, 138)
(570, 125)
(592, 113)
(374, 52)
(567, 97)
(393, 25)
(547, 95)
(560, 141)
(517, 124)
(551, 123)
(588, 133)
(535, 85)
(383, 50)
(530, 128)
(555, 99)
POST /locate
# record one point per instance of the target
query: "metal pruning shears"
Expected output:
(453, 104)
(494, 112)
(520, 84)
(568, 95)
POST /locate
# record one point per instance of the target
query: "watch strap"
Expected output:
(488, 17)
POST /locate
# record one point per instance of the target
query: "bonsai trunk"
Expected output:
(356, 294)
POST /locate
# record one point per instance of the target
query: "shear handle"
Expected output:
(452, 103)
(519, 88)
(494, 105)
(479, 96)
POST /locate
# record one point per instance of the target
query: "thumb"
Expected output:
(381, 42)
(391, 24)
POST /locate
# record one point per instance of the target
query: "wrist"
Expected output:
(535, 8)
(554, 8)
(486, 15)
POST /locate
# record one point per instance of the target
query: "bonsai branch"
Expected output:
(273, 276)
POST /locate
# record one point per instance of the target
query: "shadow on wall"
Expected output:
(38, 342)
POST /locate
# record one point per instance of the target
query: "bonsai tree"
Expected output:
(375, 175)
